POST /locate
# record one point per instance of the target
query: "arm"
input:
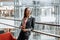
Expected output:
(23, 27)
(33, 23)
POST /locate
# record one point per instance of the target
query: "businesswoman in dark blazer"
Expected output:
(27, 25)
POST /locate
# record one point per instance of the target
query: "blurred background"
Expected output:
(46, 13)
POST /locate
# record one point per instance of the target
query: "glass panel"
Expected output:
(47, 29)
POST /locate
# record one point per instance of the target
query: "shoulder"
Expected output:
(33, 18)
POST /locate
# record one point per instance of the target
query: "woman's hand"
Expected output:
(25, 30)
(22, 27)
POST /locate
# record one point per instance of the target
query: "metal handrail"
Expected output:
(9, 19)
(48, 24)
(9, 25)
(48, 34)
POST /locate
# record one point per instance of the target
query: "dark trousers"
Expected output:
(22, 36)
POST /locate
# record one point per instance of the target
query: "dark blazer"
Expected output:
(29, 25)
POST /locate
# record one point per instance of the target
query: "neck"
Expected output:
(28, 17)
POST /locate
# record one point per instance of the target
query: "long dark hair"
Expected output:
(25, 12)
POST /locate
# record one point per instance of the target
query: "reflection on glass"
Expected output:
(7, 11)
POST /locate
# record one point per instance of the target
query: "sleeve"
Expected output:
(33, 23)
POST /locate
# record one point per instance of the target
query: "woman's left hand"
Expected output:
(25, 30)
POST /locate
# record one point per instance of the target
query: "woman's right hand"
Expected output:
(22, 27)
(24, 30)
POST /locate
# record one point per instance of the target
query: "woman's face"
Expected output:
(28, 12)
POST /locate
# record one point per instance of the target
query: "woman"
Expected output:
(27, 25)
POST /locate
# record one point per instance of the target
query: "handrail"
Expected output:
(48, 24)
(36, 31)
(49, 34)
(9, 19)
(35, 22)
(9, 25)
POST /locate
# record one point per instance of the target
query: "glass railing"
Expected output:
(42, 31)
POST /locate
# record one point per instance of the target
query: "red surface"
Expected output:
(6, 36)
